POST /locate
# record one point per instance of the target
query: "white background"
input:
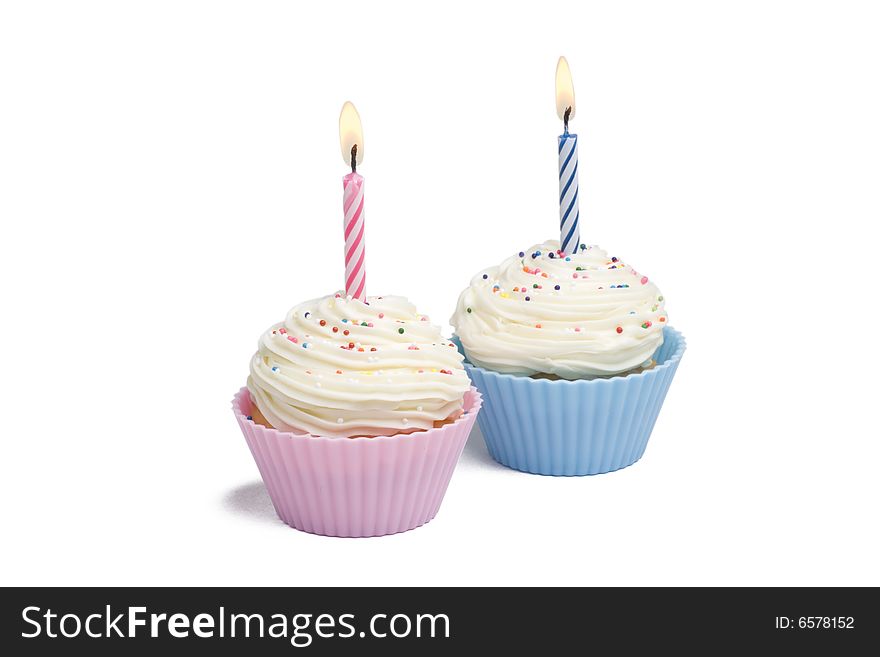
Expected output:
(170, 184)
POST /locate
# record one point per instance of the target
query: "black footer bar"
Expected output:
(433, 621)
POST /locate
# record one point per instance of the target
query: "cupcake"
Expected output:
(573, 355)
(356, 413)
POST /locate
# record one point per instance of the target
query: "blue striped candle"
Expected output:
(569, 215)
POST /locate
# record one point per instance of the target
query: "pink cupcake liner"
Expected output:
(356, 486)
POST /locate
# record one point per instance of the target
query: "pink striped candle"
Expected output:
(353, 205)
(351, 140)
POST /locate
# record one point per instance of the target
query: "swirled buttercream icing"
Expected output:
(578, 315)
(341, 367)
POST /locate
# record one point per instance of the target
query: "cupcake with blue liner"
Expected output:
(573, 355)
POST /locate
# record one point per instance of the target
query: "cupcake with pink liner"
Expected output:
(356, 409)
(356, 414)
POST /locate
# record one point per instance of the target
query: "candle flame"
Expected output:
(564, 89)
(350, 133)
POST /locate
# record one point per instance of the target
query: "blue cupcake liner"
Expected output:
(585, 427)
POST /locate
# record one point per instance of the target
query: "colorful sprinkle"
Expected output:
(323, 322)
(522, 254)
(620, 329)
(646, 325)
(292, 339)
(485, 276)
(644, 279)
(470, 310)
(537, 326)
(613, 259)
(346, 332)
(528, 298)
(662, 319)
(282, 330)
(250, 417)
(274, 369)
(336, 329)
(556, 287)
(400, 330)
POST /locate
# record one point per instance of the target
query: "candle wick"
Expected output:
(565, 118)
(354, 154)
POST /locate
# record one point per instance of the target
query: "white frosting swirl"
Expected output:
(576, 316)
(342, 367)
